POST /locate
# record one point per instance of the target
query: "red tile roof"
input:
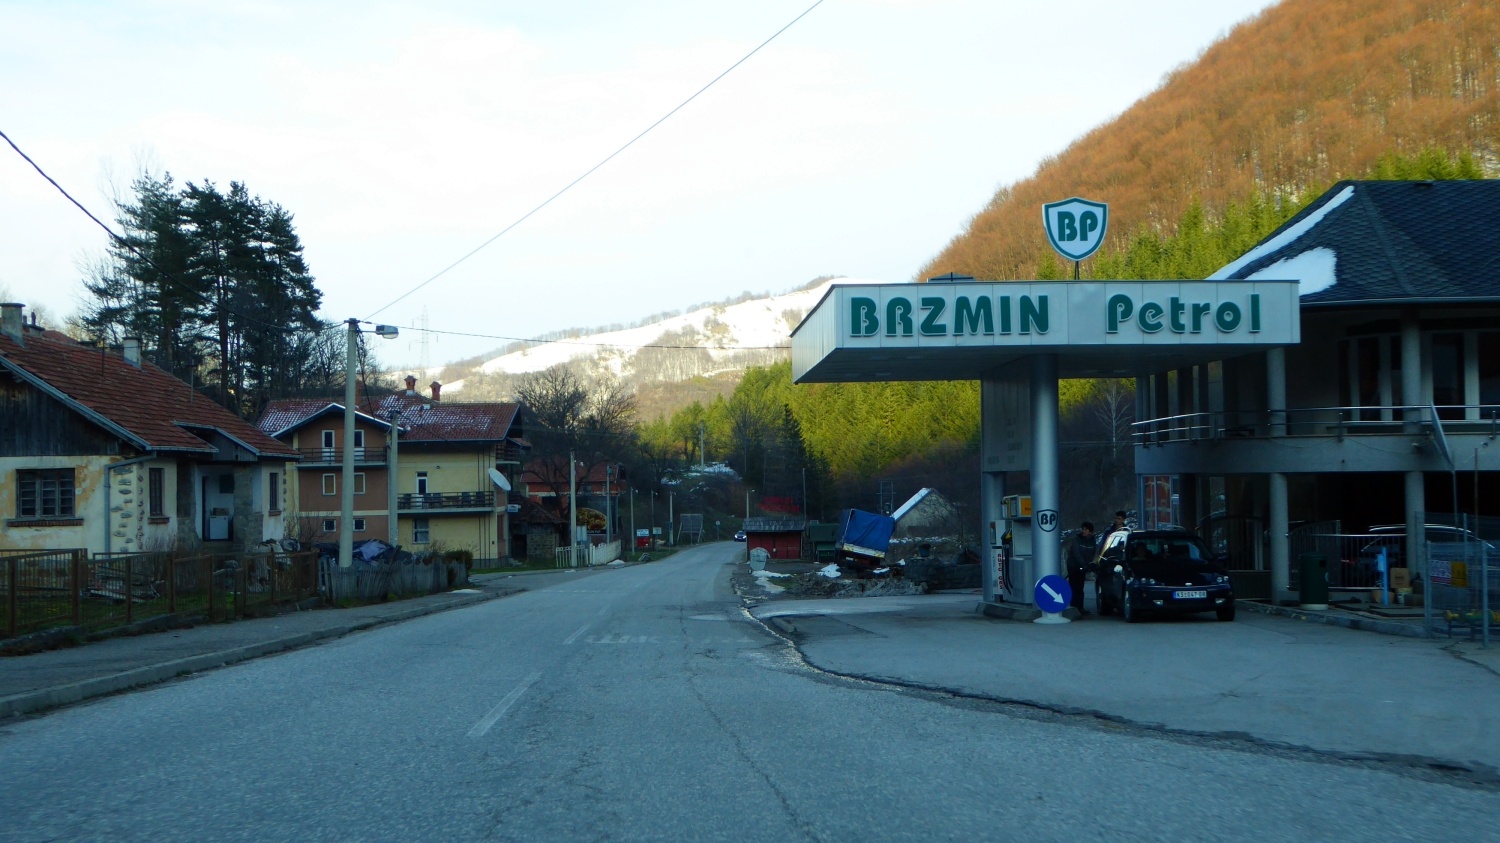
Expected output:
(441, 421)
(144, 404)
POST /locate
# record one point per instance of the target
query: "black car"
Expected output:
(739, 536)
(1145, 571)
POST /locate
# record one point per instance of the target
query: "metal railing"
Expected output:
(597, 554)
(1337, 422)
(47, 589)
(446, 500)
(335, 456)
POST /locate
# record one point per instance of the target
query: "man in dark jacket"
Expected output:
(1080, 556)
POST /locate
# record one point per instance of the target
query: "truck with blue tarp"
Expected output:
(863, 540)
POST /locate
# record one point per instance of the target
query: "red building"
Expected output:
(781, 537)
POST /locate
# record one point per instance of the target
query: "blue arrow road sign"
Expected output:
(1053, 594)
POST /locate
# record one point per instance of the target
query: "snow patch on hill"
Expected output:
(728, 332)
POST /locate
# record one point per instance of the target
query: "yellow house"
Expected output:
(457, 473)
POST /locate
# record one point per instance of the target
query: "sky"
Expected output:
(402, 136)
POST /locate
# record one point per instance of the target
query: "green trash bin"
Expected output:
(1314, 580)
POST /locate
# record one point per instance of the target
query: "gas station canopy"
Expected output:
(974, 330)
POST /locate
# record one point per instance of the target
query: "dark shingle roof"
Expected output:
(284, 414)
(440, 421)
(143, 405)
(1386, 241)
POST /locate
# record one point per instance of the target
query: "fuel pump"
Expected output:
(1015, 581)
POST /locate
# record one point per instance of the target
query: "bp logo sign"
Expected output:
(1075, 226)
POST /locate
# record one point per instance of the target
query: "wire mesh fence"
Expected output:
(42, 590)
(1458, 582)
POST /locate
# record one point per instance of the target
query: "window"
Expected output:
(1489, 370)
(359, 440)
(1448, 375)
(330, 484)
(156, 483)
(328, 440)
(359, 484)
(273, 488)
(359, 525)
(330, 525)
(421, 482)
(420, 533)
(45, 493)
(226, 484)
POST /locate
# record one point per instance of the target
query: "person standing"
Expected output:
(1119, 523)
(1080, 556)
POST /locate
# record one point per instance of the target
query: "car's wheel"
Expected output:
(1225, 613)
(1100, 604)
(1128, 610)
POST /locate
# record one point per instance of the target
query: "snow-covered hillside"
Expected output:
(730, 333)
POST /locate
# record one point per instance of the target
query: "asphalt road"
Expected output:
(643, 704)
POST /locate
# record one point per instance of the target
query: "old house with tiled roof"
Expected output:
(456, 468)
(315, 428)
(102, 450)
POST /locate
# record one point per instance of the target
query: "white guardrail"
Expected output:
(598, 554)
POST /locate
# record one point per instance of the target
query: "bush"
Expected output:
(462, 556)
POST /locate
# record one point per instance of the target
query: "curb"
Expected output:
(1348, 622)
(29, 702)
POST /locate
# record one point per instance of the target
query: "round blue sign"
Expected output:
(1053, 594)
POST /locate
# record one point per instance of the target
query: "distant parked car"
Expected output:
(739, 536)
(1392, 539)
(1143, 571)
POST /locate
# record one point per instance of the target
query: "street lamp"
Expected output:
(747, 502)
(346, 520)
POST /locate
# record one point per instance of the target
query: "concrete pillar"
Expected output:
(1276, 391)
(1411, 372)
(1280, 545)
(1414, 401)
(1277, 517)
(1046, 548)
(1416, 517)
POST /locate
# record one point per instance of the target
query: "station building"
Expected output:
(1385, 413)
(1342, 374)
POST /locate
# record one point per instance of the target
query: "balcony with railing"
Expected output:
(446, 502)
(335, 456)
(1335, 422)
(509, 452)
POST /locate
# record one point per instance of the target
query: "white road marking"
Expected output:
(503, 706)
(574, 637)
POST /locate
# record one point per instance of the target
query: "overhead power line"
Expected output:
(600, 344)
(591, 170)
(131, 246)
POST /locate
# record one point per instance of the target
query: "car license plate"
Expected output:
(1189, 595)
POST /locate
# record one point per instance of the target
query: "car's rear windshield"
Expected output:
(1177, 548)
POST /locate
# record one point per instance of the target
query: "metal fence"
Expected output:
(48, 589)
(1458, 584)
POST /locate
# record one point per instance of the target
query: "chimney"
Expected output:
(132, 351)
(437, 392)
(12, 324)
(411, 384)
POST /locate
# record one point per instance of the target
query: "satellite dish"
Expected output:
(499, 480)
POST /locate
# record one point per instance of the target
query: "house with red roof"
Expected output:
(314, 427)
(100, 449)
(456, 477)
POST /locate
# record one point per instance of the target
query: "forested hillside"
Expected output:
(1306, 93)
